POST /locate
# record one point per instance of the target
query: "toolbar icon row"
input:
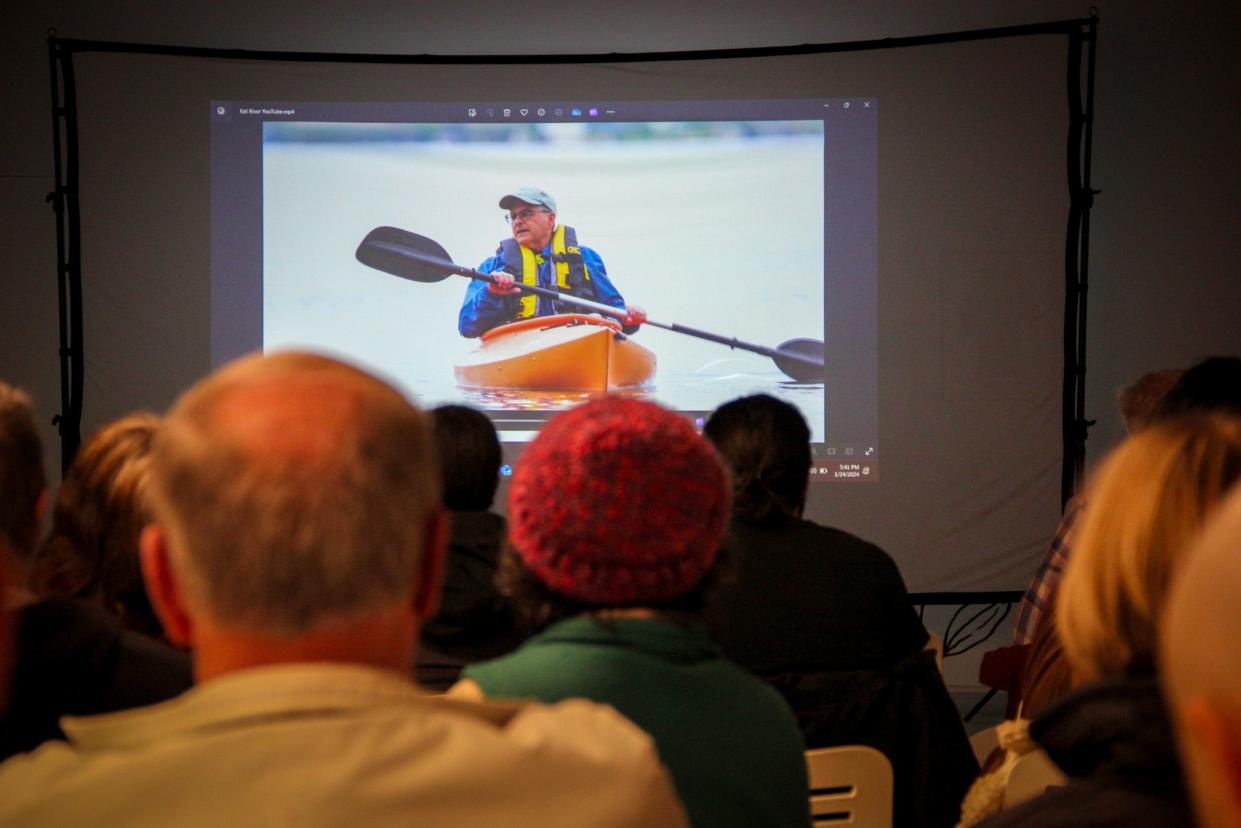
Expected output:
(525, 111)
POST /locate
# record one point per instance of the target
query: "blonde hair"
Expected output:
(295, 490)
(1146, 504)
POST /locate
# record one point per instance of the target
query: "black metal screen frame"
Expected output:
(1081, 33)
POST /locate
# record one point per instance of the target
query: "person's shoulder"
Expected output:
(490, 265)
(861, 556)
(570, 724)
(60, 623)
(28, 779)
(587, 251)
(575, 745)
(148, 671)
(843, 539)
(1097, 802)
(574, 721)
(111, 667)
(504, 668)
(596, 767)
(760, 699)
(536, 669)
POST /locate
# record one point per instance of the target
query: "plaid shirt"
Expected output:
(1034, 602)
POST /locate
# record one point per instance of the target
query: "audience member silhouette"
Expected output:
(69, 658)
(474, 621)
(1140, 403)
(796, 595)
(22, 497)
(23, 487)
(617, 510)
(92, 550)
(1213, 385)
(1111, 736)
(6, 639)
(1201, 674)
(1033, 671)
(296, 556)
(824, 616)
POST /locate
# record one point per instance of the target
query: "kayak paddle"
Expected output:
(420, 259)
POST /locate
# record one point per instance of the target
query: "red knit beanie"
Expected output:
(618, 502)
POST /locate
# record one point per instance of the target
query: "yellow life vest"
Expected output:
(572, 275)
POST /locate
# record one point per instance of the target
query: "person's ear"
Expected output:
(165, 591)
(1219, 739)
(431, 567)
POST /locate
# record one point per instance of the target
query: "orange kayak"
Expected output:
(570, 351)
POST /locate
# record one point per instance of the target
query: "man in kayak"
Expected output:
(543, 254)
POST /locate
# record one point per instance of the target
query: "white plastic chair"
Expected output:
(850, 786)
(1029, 777)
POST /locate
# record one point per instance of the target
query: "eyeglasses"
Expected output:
(525, 214)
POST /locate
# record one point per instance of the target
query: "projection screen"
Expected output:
(905, 206)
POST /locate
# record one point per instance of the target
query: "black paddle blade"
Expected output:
(801, 359)
(405, 254)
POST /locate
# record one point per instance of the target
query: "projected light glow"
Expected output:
(938, 279)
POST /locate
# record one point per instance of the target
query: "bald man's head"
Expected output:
(294, 490)
(1201, 666)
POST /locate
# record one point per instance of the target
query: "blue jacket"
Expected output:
(482, 310)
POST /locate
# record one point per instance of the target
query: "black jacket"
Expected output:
(798, 596)
(475, 622)
(72, 659)
(903, 711)
(824, 617)
(1115, 744)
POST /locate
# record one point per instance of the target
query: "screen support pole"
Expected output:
(1075, 426)
(64, 202)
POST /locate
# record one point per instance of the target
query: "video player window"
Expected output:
(745, 220)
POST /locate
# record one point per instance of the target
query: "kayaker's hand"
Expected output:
(502, 284)
(634, 316)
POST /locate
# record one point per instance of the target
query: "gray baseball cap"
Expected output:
(529, 195)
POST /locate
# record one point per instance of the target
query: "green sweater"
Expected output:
(730, 742)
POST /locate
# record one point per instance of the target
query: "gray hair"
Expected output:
(22, 478)
(295, 490)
